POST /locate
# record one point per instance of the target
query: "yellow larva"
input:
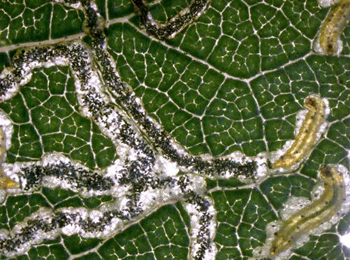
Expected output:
(333, 27)
(306, 137)
(5, 181)
(314, 214)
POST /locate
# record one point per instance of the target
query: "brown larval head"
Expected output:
(326, 171)
(314, 103)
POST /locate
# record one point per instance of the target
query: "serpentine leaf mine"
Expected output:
(313, 215)
(141, 179)
(333, 26)
(307, 135)
(174, 25)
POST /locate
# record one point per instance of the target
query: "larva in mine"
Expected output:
(333, 26)
(5, 181)
(307, 135)
(313, 215)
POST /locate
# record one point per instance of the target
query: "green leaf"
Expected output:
(228, 86)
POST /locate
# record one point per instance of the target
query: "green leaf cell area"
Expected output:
(37, 20)
(46, 119)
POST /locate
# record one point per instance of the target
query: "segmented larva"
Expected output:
(333, 26)
(306, 137)
(5, 181)
(314, 214)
